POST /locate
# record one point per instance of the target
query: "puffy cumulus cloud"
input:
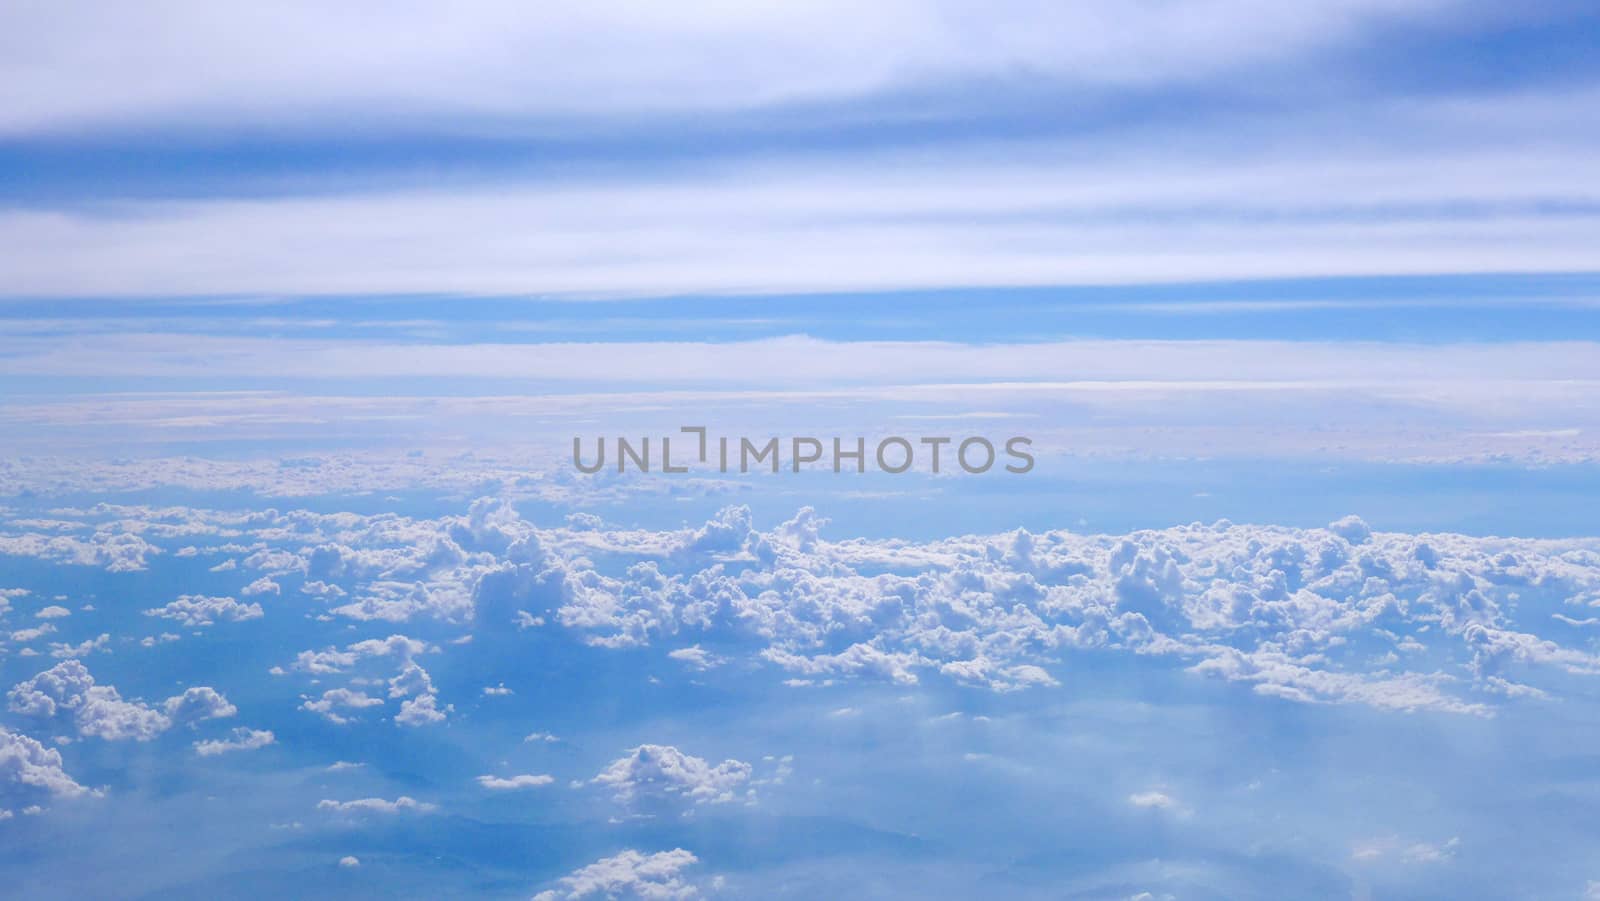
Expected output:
(349, 862)
(422, 710)
(28, 768)
(241, 739)
(332, 660)
(514, 783)
(54, 611)
(199, 703)
(531, 579)
(398, 602)
(116, 551)
(335, 699)
(404, 803)
(1335, 615)
(25, 635)
(263, 585)
(491, 525)
(195, 610)
(68, 689)
(630, 874)
(1342, 614)
(652, 774)
(420, 705)
(67, 650)
(62, 687)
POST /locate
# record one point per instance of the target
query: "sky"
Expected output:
(304, 314)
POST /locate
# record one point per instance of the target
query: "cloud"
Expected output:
(514, 783)
(336, 698)
(196, 610)
(630, 874)
(696, 657)
(263, 585)
(1395, 850)
(242, 739)
(199, 703)
(1297, 614)
(422, 710)
(349, 862)
(1158, 800)
(1337, 615)
(1452, 401)
(100, 710)
(116, 552)
(26, 765)
(331, 661)
(101, 642)
(53, 612)
(1152, 799)
(377, 805)
(653, 774)
(1280, 199)
(699, 61)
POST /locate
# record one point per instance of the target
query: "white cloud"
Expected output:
(340, 698)
(1019, 214)
(514, 783)
(1342, 614)
(377, 805)
(1152, 799)
(117, 552)
(26, 765)
(100, 710)
(242, 739)
(34, 634)
(330, 661)
(263, 585)
(697, 658)
(703, 59)
(196, 610)
(349, 862)
(61, 650)
(656, 773)
(630, 874)
(1319, 399)
(53, 612)
(199, 703)
(1395, 850)
(422, 710)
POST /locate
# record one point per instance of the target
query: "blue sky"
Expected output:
(301, 310)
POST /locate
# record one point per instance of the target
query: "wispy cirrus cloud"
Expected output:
(73, 66)
(845, 223)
